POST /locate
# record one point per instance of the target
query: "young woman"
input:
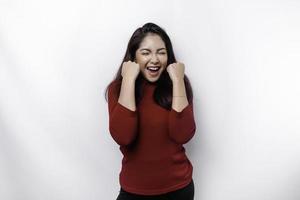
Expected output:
(150, 104)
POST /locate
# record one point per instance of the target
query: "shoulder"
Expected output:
(114, 86)
(115, 83)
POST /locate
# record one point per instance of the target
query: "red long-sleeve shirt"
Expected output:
(151, 140)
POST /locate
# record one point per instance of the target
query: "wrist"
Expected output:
(180, 80)
(128, 79)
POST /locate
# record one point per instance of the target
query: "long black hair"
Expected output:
(163, 92)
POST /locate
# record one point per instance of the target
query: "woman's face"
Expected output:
(152, 57)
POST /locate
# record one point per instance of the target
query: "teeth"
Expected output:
(153, 68)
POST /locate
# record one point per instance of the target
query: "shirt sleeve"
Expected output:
(182, 125)
(123, 122)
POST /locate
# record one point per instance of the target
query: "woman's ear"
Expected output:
(131, 58)
(134, 59)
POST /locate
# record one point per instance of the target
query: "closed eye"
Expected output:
(146, 53)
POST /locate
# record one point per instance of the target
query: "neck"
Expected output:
(146, 82)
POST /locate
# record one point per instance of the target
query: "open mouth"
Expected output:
(153, 68)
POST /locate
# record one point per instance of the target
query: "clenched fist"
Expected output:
(130, 70)
(176, 71)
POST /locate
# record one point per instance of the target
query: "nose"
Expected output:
(154, 59)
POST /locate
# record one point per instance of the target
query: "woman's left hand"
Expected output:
(176, 71)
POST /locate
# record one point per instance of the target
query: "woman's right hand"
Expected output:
(130, 70)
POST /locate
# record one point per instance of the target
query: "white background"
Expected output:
(57, 57)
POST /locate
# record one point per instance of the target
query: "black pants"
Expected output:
(186, 193)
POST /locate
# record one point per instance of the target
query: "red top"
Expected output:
(151, 140)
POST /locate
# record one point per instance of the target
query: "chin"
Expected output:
(153, 79)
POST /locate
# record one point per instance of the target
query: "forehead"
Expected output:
(152, 41)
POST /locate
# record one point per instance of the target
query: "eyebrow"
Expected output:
(150, 50)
